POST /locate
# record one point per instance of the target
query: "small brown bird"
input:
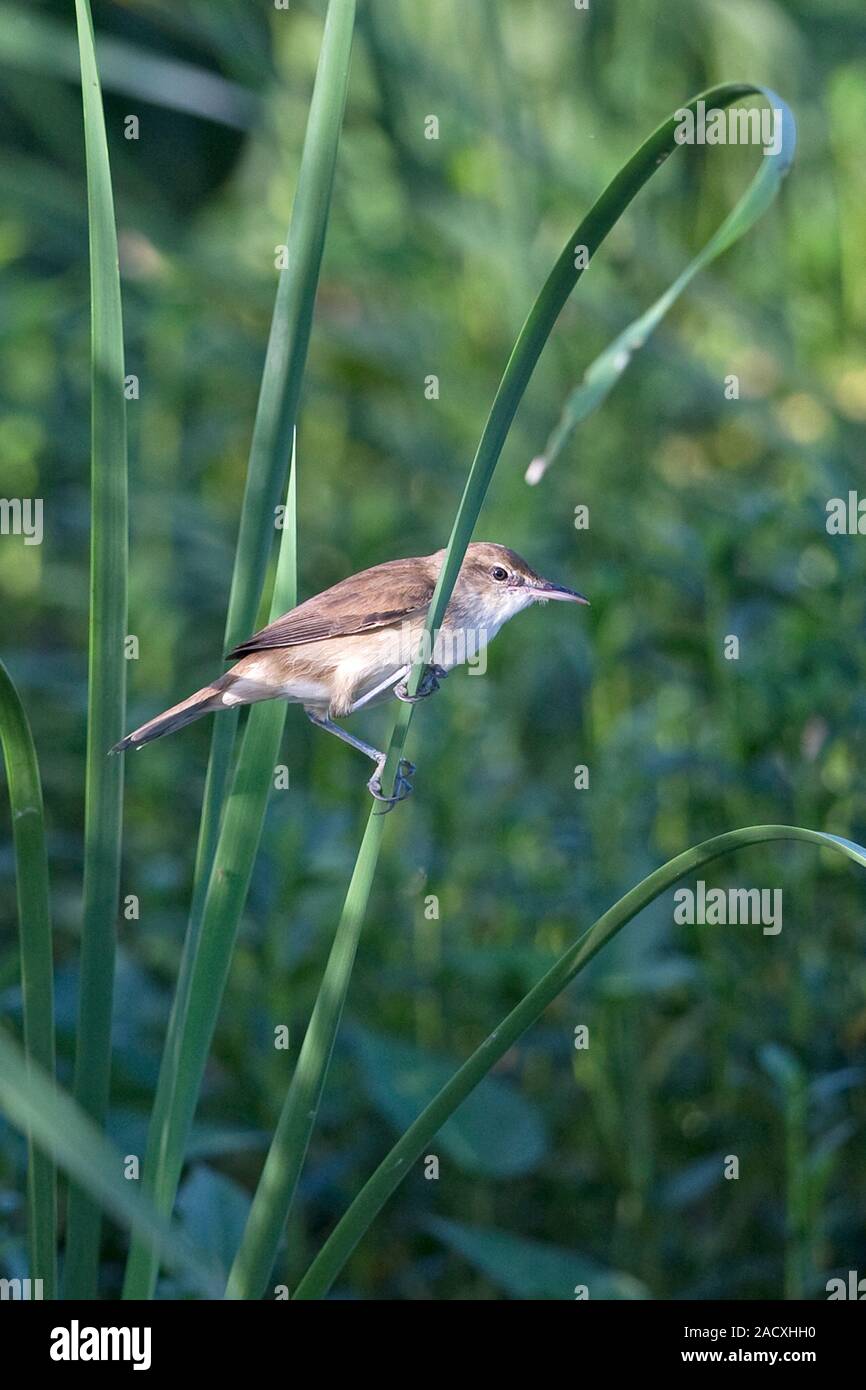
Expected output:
(354, 645)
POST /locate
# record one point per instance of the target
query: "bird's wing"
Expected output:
(358, 604)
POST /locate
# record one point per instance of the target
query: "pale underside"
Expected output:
(336, 675)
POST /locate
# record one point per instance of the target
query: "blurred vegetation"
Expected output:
(707, 517)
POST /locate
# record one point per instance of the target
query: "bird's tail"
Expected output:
(202, 702)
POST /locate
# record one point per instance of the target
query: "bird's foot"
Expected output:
(402, 785)
(428, 685)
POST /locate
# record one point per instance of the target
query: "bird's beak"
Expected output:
(543, 589)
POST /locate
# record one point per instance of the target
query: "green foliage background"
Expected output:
(707, 517)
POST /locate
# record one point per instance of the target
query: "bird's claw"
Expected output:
(428, 685)
(402, 785)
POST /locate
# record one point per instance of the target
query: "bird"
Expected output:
(354, 645)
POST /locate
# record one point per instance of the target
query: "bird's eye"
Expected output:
(499, 573)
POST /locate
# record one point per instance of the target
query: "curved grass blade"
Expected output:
(37, 965)
(603, 374)
(107, 663)
(229, 840)
(274, 1196)
(411, 1146)
(33, 1103)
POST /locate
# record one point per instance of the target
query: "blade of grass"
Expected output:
(395, 1166)
(228, 843)
(275, 1193)
(37, 965)
(788, 1075)
(107, 663)
(33, 1103)
(35, 43)
(194, 1014)
(271, 1204)
(602, 375)
(277, 407)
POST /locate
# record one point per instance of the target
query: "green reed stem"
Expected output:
(107, 663)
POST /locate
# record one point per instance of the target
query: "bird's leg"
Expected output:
(366, 748)
(377, 690)
(428, 685)
(402, 785)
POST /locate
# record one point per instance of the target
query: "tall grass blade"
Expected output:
(107, 663)
(277, 408)
(275, 1192)
(792, 1083)
(37, 965)
(391, 1171)
(229, 842)
(191, 1032)
(603, 374)
(34, 1104)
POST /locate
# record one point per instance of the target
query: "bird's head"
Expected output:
(496, 583)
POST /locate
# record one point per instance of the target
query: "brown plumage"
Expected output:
(374, 598)
(353, 645)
